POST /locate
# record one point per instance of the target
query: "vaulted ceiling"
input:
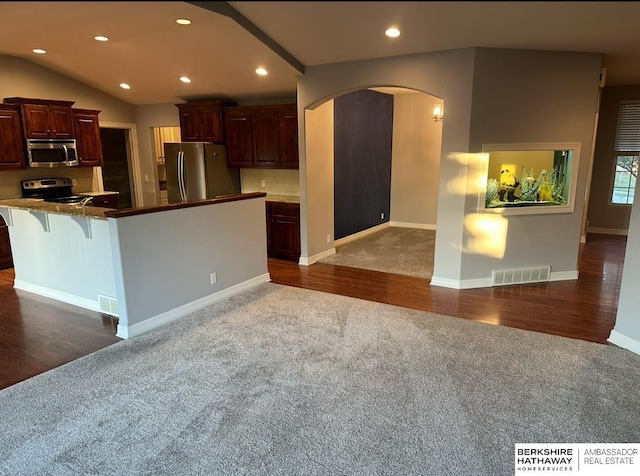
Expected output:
(226, 41)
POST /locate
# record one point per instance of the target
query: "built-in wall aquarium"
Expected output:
(529, 178)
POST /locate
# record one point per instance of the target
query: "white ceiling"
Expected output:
(148, 50)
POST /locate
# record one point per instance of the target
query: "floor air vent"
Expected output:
(521, 276)
(108, 305)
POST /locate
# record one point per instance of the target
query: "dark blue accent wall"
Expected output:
(363, 136)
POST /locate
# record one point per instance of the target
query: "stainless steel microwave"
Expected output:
(52, 153)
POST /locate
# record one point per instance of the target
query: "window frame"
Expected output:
(618, 152)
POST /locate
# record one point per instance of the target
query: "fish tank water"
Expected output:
(529, 176)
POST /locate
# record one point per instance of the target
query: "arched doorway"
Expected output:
(370, 189)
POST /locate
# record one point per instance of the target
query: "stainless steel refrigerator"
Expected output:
(198, 170)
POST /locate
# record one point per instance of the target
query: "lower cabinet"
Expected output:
(6, 260)
(283, 230)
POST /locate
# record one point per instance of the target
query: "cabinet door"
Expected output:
(88, 139)
(201, 122)
(238, 138)
(210, 121)
(289, 137)
(266, 138)
(11, 144)
(189, 129)
(61, 119)
(284, 231)
(37, 121)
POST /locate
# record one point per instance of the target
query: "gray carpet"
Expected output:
(407, 251)
(287, 381)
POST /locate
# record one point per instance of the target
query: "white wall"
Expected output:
(532, 97)
(316, 180)
(447, 75)
(163, 260)
(22, 78)
(626, 332)
(415, 163)
(146, 117)
(61, 262)
(490, 96)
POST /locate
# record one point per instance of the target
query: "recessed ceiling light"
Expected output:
(101, 38)
(125, 86)
(262, 71)
(183, 21)
(39, 51)
(392, 32)
(184, 79)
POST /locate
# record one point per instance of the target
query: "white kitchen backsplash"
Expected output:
(276, 181)
(10, 179)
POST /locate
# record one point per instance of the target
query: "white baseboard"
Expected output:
(317, 257)
(608, 231)
(360, 234)
(563, 275)
(57, 295)
(487, 282)
(404, 224)
(461, 284)
(125, 332)
(625, 342)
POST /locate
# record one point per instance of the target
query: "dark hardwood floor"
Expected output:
(38, 334)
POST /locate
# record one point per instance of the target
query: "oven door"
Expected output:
(52, 153)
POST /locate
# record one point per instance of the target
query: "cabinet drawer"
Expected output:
(285, 209)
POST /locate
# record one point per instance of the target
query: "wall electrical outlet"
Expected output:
(214, 278)
(382, 216)
(74, 181)
(328, 238)
(263, 184)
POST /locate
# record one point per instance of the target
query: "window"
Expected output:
(626, 153)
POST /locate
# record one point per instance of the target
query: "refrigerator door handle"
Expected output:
(179, 173)
(183, 188)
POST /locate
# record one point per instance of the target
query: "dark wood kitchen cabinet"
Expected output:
(238, 137)
(201, 121)
(45, 118)
(6, 260)
(88, 140)
(12, 147)
(262, 136)
(283, 230)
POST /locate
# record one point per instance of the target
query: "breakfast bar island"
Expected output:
(147, 266)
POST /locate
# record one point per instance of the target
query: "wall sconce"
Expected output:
(437, 112)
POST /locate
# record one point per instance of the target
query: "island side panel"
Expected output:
(163, 261)
(62, 257)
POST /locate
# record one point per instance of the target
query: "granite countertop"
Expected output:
(37, 205)
(96, 194)
(283, 198)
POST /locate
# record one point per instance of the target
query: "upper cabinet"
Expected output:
(88, 139)
(262, 136)
(43, 118)
(11, 144)
(201, 121)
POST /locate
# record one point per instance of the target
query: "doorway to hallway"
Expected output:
(116, 168)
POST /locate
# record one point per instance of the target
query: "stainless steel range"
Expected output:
(56, 190)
